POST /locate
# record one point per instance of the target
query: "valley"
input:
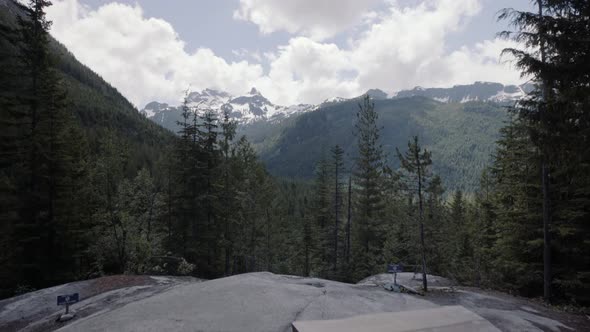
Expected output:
(283, 170)
(461, 133)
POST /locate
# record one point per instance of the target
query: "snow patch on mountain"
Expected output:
(244, 109)
(479, 91)
(253, 107)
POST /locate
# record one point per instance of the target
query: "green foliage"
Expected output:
(460, 136)
(89, 186)
(416, 168)
(556, 121)
(56, 113)
(368, 174)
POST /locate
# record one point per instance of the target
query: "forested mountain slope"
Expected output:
(98, 106)
(67, 139)
(461, 136)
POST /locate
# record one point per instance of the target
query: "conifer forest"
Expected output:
(91, 187)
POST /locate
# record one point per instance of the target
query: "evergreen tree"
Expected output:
(459, 237)
(436, 228)
(557, 118)
(207, 138)
(337, 166)
(14, 159)
(484, 231)
(519, 246)
(51, 167)
(185, 178)
(322, 209)
(416, 163)
(347, 243)
(368, 174)
(227, 201)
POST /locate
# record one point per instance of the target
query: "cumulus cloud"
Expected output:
(318, 19)
(404, 47)
(143, 57)
(397, 48)
(308, 71)
(407, 47)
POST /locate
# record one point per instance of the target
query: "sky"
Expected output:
(293, 52)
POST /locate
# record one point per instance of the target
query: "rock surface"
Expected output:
(251, 302)
(406, 278)
(443, 319)
(259, 302)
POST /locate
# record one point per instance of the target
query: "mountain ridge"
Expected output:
(254, 107)
(461, 137)
(478, 91)
(247, 108)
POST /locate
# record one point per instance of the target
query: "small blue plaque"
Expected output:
(68, 299)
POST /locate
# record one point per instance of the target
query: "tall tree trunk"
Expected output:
(336, 214)
(50, 223)
(348, 219)
(545, 177)
(169, 206)
(421, 217)
(150, 215)
(306, 239)
(546, 234)
(267, 241)
(307, 249)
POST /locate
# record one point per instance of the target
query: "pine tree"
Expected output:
(337, 167)
(53, 167)
(14, 159)
(322, 215)
(185, 178)
(416, 163)
(519, 246)
(484, 233)
(207, 136)
(459, 238)
(557, 119)
(368, 174)
(307, 238)
(347, 243)
(436, 227)
(227, 201)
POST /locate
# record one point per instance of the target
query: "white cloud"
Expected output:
(407, 47)
(318, 19)
(143, 57)
(395, 49)
(308, 71)
(243, 53)
(402, 48)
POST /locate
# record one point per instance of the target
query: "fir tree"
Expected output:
(368, 175)
(337, 166)
(416, 163)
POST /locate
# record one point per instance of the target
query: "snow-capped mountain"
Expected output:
(479, 91)
(253, 107)
(245, 109)
(150, 110)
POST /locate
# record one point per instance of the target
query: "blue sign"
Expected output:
(394, 268)
(68, 299)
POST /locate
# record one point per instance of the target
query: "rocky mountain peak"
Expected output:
(254, 91)
(377, 94)
(245, 109)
